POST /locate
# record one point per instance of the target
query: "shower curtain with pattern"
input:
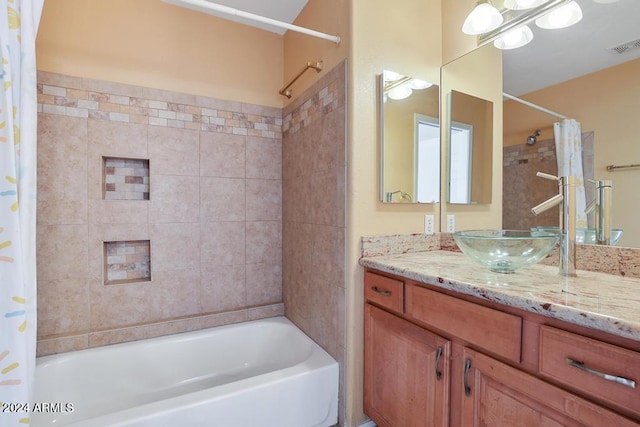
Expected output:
(18, 115)
(569, 155)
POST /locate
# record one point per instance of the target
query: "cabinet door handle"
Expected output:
(438, 356)
(467, 367)
(608, 377)
(381, 291)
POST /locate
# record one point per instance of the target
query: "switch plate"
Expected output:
(451, 223)
(428, 224)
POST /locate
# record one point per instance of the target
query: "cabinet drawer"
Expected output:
(384, 291)
(485, 328)
(559, 348)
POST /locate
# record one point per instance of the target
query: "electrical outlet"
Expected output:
(451, 223)
(428, 224)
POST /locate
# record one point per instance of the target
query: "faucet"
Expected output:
(601, 205)
(567, 198)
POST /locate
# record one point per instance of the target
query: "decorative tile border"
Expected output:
(519, 154)
(85, 98)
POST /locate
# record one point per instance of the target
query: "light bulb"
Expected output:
(418, 84)
(483, 18)
(515, 38)
(391, 76)
(400, 92)
(522, 4)
(562, 17)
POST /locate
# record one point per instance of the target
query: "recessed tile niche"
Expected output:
(125, 179)
(127, 262)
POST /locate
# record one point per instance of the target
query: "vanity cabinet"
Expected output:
(435, 358)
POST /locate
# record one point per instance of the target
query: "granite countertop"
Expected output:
(596, 300)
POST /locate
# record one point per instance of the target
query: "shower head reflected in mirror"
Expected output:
(531, 139)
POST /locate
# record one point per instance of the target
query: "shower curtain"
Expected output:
(569, 154)
(18, 115)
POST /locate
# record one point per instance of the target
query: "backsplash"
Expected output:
(614, 260)
(209, 207)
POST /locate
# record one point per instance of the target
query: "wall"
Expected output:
(314, 225)
(213, 217)
(415, 50)
(159, 45)
(605, 102)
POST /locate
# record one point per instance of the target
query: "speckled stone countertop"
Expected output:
(596, 300)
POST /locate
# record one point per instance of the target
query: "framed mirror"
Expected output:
(470, 149)
(588, 72)
(409, 119)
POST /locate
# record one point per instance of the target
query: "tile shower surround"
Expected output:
(313, 223)
(213, 218)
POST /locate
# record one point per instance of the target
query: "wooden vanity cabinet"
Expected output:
(496, 368)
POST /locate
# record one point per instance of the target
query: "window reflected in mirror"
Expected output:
(409, 110)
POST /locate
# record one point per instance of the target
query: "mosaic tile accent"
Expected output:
(327, 99)
(125, 179)
(132, 109)
(127, 261)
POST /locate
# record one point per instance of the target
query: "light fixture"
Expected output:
(400, 92)
(483, 18)
(562, 17)
(515, 38)
(419, 84)
(522, 4)
(391, 76)
(605, 1)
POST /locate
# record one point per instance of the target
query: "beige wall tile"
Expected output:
(223, 288)
(222, 155)
(264, 283)
(222, 199)
(264, 242)
(62, 344)
(264, 199)
(119, 212)
(62, 170)
(174, 199)
(173, 151)
(116, 139)
(62, 252)
(222, 243)
(265, 311)
(63, 307)
(264, 158)
(174, 247)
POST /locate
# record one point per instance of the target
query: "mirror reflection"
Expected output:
(470, 149)
(588, 75)
(409, 139)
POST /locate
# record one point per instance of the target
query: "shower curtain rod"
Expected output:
(253, 17)
(532, 105)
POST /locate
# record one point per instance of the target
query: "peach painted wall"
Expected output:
(605, 102)
(155, 44)
(406, 38)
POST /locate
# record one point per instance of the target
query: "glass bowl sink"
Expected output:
(583, 235)
(504, 251)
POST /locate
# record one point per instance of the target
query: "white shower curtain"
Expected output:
(18, 115)
(569, 154)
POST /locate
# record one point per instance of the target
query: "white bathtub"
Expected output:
(261, 373)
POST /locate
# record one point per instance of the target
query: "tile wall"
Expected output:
(314, 223)
(213, 218)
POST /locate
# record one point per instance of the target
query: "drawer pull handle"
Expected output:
(438, 356)
(467, 367)
(608, 377)
(381, 291)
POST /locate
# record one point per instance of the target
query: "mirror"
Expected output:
(409, 111)
(470, 149)
(575, 72)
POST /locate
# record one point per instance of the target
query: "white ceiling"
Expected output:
(555, 56)
(280, 10)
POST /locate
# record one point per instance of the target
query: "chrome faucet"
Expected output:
(567, 198)
(601, 205)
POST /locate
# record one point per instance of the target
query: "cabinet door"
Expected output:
(406, 378)
(495, 394)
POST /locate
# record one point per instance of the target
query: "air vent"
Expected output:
(626, 47)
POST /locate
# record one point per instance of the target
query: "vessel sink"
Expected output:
(583, 235)
(504, 251)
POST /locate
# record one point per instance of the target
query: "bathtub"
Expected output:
(261, 373)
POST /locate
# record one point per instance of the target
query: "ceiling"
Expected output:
(280, 10)
(555, 56)
(552, 57)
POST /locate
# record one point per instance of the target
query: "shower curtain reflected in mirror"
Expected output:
(569, 155)
(18, 116)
